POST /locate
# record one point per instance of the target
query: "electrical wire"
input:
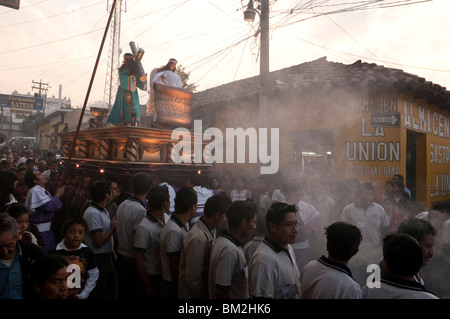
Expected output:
(47, 17)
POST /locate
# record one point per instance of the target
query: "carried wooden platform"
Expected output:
(123, 151)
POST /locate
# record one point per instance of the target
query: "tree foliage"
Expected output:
(181, 71)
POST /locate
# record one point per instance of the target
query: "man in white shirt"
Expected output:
(329, 277)
(308, 242)
(402, 257)
(171, 240)
(194, 259)
(367, 215)
(228, 270)
(99, 237)
(373, 222)
(129, 215)
(147, 256)
(273, 271)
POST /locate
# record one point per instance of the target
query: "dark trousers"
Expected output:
(128, 278)
(169, 290)
(155, 282)
(107, 286)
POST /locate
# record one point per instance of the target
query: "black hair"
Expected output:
(99, 189)
(141, 183)
(402, 254)
(75, 220)
(45, 266)
(30, 177)
(130, 64)
(276, 212)
(157, 196)
(7, 179)
(218, 203)
(400, 184)
(184, 199)
(417, 228)
(22, 168)
(167, 66)
(239, 210)
(442, 206)
(363, 187)
(343, 240)
(16, 210)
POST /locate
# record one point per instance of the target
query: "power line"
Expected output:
(51, 42)
(27, 67)
(359, 7)
(23, 7)
(46, 18)
(353, 38)
(371, 59)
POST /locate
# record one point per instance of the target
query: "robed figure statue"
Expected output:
(126, 109)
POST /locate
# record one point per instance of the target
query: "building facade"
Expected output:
(341, 121)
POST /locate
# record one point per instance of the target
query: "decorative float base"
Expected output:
(123, 151)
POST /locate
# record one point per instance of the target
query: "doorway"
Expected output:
(415, 164)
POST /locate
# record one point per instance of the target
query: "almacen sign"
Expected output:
(15, 4)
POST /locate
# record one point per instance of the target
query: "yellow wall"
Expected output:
(372, 153)
(434, 124)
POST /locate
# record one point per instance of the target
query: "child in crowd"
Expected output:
(240, 192)
(81, 258)
(28, 233)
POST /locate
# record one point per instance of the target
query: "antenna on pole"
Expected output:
(112, 76)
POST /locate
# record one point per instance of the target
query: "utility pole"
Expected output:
(43, 87)
(249, 15)
(265, 114)
(264, 108)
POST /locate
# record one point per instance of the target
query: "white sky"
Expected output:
(57, 41)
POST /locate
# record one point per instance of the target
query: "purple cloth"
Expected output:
(44, 214)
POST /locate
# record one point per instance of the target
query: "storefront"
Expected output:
(341, 121)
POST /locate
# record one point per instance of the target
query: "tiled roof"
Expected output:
(325, 74)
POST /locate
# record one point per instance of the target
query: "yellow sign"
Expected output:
(15, 4)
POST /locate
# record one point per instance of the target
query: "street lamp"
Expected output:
(249, 15)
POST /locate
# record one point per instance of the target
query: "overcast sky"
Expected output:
(57, 41)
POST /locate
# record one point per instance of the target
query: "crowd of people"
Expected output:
(76, 236)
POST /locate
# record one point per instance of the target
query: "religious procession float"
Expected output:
(123, 150)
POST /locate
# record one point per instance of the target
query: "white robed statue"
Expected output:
(165, 75)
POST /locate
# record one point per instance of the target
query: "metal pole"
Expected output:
(264, 63)
(265, 113)
(10, 121)
(112, 65)
(264, 110)
(72, 147)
